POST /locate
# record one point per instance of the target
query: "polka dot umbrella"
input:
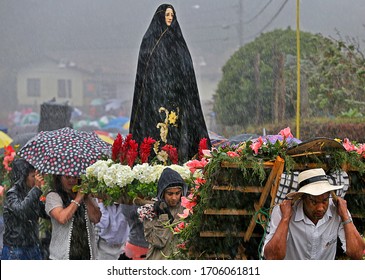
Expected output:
(64, 151)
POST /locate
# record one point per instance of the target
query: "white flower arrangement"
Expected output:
(106, 177)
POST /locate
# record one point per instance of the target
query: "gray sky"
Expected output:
(213, 29)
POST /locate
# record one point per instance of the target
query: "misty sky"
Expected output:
(213, 29)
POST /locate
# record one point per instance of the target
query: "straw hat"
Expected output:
(313, 182)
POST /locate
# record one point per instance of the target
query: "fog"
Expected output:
(106, 34)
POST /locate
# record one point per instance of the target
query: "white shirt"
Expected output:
(307, 241)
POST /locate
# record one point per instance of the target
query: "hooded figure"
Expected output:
(162, 242)
(22, 210)
(166, 103)
(170, 178)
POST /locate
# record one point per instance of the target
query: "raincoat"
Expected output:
(161, 238)
(22, 209)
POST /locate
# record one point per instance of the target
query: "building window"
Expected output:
(33, 87)
(64, 89)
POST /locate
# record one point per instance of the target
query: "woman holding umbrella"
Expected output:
(66, 153)
(22, 210)
(73, 217)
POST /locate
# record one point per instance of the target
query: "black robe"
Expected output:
(166, 78)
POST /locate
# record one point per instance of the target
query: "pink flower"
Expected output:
(179, 227)
(181, 246)
(232, 154)
(196, 164)
(286, 133)
(185, 214)
(188, 203)
(257, 145)
(361, 150)
(199, 181)
(2, 189)
(348, 145)
(207, 153)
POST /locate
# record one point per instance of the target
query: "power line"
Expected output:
(271, 20)
(259, 13)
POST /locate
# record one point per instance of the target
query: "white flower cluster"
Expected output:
(115, 174)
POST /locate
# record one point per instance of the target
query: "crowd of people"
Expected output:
(306, 225)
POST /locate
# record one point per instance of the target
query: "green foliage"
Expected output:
(352, 113)
(237, 91)
(333, 80)
(336, 83)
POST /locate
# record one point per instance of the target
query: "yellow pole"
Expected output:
(298, 73)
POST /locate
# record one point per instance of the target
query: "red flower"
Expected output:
(172, 153)
(179, 227)
(9, 154)
(116, 147)
(203, 145)
(132, 152)
(145, 148)
(8, 150)
(181, 246)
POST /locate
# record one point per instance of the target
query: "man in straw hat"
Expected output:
(307, 224)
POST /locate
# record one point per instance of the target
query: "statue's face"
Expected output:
(169, 16)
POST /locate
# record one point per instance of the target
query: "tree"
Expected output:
(337, 83)
(264, 72)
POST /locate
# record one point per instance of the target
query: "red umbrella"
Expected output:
(64, 151)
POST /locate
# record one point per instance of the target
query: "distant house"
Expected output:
(64, 80)
(51, 79)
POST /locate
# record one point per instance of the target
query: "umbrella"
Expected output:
(5, 139)
(117, 122)
(30, 119)
(244, 137)
(216, 139)
(97, 102)
(126, 125)
(105, 136)
(64, 151)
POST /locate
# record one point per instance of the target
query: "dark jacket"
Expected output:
(22, 208)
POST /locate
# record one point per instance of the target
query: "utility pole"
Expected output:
(298, 70)
(240, 23)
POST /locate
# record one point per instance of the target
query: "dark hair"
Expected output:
(20, 171)
(58, 188)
